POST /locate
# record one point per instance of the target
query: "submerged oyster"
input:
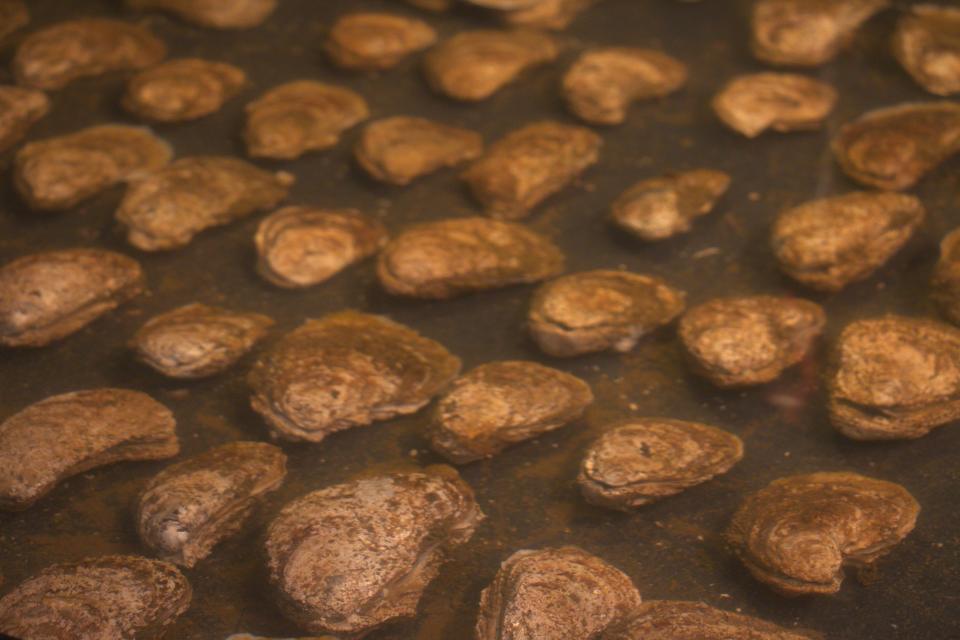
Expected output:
(736, 342)
(602, 83)
(562, 593)
(894, 147)
(530, 164)
(20, 109)
(68, 434)
(301, 116)
(47, 296)
(547, 14)
(796, 534)
(57, 55)
(894, 377)
(377, 40)
(946, 277)
(345, 370)
(197, 340)
(215, 14)
(826, 244)
(927, 44)
(400, 149)
(168, 208)
(354, 556)
(189, 507)
(644, 460)
(599, 310)
(502, 403)
(447, 258)
(474, 65)
(659, 208)
(58, 173)
(753, 103)
(97, 598)
(13, 16)
(184, 89)
(807, 33)
(304, 246)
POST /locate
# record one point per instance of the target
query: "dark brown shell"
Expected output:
(354, 556)
(166, 209)
(184, 89)
(643, 460)
(47, 296)
(753, 103)
(662, 207)
(294, 118)
(600, 86)
(345, 370)
(526, 166)
(13, 16)
(304, 246)
(945, 287)
(197, 340)
(807, 33)
(829, 243)
(680, 620)
(215, 14)
(796, 534)
(473, 65)
(561, 593)
(927, 44)
(189, 507)
(894, 377)
(451, 257)
(400, 149)
(372, 41)
(599, 310)
(894, 147)
(67, 434)
(749, 340)
(500, 404)
(59, 173)
(20, 109)
(57, 55)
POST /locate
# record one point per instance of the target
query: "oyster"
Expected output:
(13, 16)
(374, 41)
(753, 103)
(946, 277)
(547, 14)
(927, 44)
(184, 89)
(20, 109)
(215, 14)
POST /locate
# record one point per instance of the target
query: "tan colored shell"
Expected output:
(945, 286)
(753, 103)
(294, 118)
(894, 377)
(354, 556)
(373, 41)
(116, 597)
(796, 534)
(894, 147)
(304, 246)
(400, 149)
(183, 89)
(749, 340)
(214, 14)
(189, 507)
(643, 460)
(927, 44)
(57, 55)
(65, 435)
(447, 258)
(561, 593)
(599, 310)
(345, 370)
(473, 65)
(547, 14)
(197, 340)
(47, 296)
(20, 109)
(59, 173)
(662, 207)
(166, 209)
(829, 243)
(499, 404)
(807, 33)
(600, 86)
(528, 165)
